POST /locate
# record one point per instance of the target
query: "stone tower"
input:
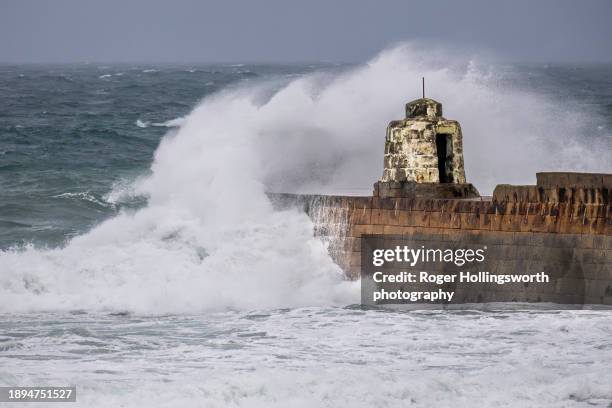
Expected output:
(424, 155)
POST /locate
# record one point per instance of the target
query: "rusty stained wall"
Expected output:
(574, 240)
(562, 224)
(398, 216)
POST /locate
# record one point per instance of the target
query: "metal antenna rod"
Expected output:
(423, 87)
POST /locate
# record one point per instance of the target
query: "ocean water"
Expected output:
(316, 357)
(141, 260)
(70, 134)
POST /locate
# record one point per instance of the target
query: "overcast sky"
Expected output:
(293, 31)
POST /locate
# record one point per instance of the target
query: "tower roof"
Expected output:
(424, 107)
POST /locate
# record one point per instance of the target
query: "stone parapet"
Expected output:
(407, 189)
(570, 188)
(573, 180)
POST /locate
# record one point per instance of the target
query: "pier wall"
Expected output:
(527, 229)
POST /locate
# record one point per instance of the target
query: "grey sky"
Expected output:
(306, 30)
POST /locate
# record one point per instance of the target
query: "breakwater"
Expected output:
(562, 225)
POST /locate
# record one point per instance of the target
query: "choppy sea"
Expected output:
(141, 260)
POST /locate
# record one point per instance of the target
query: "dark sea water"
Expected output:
(68, 132)
(141, 261)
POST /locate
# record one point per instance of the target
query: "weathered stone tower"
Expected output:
(424, 155)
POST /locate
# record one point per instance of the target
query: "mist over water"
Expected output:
(209, 239)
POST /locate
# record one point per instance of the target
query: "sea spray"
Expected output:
(336, 126)
(208, 239)
(331, 226)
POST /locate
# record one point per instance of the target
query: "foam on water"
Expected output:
(209, 239)
(172, 123)
(85, 196)
(317, 357)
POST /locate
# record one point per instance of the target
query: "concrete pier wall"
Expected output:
(566, 235)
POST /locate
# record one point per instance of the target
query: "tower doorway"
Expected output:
(444, 148)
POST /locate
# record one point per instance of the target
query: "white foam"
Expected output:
(172, 123)
(85, 196)
(123, 190)
(142, 124)
(318, 357)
